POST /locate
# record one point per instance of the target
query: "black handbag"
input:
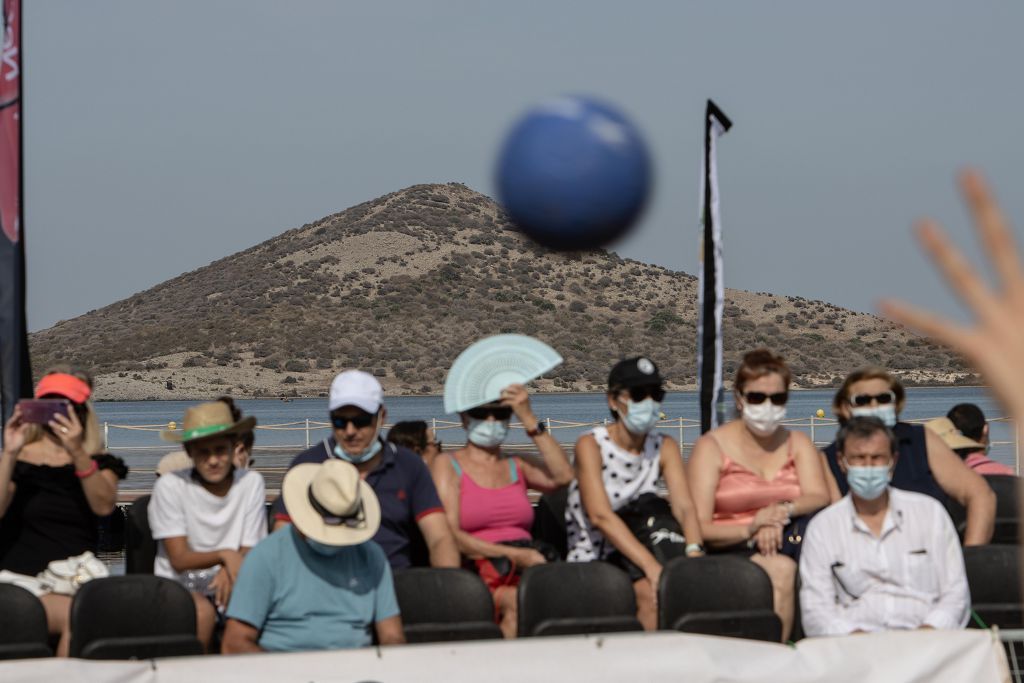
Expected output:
(649, 518)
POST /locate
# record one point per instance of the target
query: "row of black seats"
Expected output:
(141, 616)
(1007, 522)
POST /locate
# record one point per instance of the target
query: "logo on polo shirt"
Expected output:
(401, 494)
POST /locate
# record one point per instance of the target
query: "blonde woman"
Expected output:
(55, 483)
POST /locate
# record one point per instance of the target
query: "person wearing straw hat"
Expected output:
(411, 512)
(965, 431)
(205, 518)
(318, 583)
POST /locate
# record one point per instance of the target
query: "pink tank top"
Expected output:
(741, 492)
(495, 515)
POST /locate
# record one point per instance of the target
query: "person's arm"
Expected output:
(389, 631)
(99, 486)
(819, 609)
(598, 509)
(834, 494)
(672, 470)
(447, 482)
(553, 470)
(183, 558)
(240, 638)
(437, 534)
(15, 431)
(703, 468)
(814, 493)
(965, 486)
(952, 611)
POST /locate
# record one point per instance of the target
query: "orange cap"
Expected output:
(62, 384)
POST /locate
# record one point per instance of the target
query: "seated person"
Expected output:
(755, 483)
(970, 424)
(207, 517)
(881, 558)
(616, 467)
(926, 465)
(484, 494)
(318, 583)
(55, 485)
(418, 437)
(410, 508)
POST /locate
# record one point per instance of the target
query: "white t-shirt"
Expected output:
(180, 506)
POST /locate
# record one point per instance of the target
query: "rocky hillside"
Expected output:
(399, 285)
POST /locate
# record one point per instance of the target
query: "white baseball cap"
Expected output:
(356, 388)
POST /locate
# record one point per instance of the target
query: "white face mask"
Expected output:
(763, 419)
(886, 413)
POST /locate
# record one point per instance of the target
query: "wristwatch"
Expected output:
(538, 430)
(694, 548)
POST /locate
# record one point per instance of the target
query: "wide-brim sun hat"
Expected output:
(950, 435)
(207, 420)
(330, 503)
(488, 366)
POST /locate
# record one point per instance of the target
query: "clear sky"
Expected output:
(162, 136)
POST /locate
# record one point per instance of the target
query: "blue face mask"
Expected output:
(868, 482)
(368, 452)
(487, 433)
(323, 548)
(885, 413)
(641, 416)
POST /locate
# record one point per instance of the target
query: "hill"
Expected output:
(399, 285)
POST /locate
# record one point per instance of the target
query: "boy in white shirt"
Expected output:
(207, 517)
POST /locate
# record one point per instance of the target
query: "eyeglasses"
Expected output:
(500, 413)
(359, 421)
(759, 397)
(866, 399)
(637, 394)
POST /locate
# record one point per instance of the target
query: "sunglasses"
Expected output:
(866, 399)
(500, 413)
(759, 397)
(637, 394)
(359, 421)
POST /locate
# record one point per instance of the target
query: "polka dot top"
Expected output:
(626, 477)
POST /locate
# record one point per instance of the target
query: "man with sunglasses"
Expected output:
(411, 512)
(925, 464)
(881, 558)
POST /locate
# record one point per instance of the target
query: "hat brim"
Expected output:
(246, 424)
(295, 490)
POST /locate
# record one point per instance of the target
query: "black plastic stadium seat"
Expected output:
(23, 632)
(572, 598)
(549, 521)
(133, 617)
(720, 595)
(139, 547)
(993, 574)
(1007, 522)
(441, 605)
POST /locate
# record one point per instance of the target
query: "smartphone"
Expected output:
(41, 410)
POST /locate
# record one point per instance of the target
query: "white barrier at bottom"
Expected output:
(933, 656)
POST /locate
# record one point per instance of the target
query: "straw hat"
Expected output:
(330, 503)
(952, 436)
(206, 420)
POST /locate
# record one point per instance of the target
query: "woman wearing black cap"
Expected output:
(617, 470)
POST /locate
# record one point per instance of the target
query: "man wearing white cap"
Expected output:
(409, 503)
(318, 584)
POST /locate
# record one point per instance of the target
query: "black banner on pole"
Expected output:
(15, 371)
(711, 286)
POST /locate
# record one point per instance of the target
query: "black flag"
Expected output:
(15, 373)
(711, 287)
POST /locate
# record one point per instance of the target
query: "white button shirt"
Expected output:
(911, 575)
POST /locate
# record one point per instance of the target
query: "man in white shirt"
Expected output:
(880, 558)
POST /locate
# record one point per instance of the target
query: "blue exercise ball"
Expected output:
(574, 173)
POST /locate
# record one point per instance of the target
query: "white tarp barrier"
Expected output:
(932, 656)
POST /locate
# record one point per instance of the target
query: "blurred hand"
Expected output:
(231, 563)
(516, 397)
(994, 344)
(527, 557)
(14, 433)
(768, 539)
(69, 430)
(221, 586)
(775, 514)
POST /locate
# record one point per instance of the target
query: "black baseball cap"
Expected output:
(634, 372)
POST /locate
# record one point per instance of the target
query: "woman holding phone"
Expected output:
(55, 483)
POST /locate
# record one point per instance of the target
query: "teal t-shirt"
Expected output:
(301, 600)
